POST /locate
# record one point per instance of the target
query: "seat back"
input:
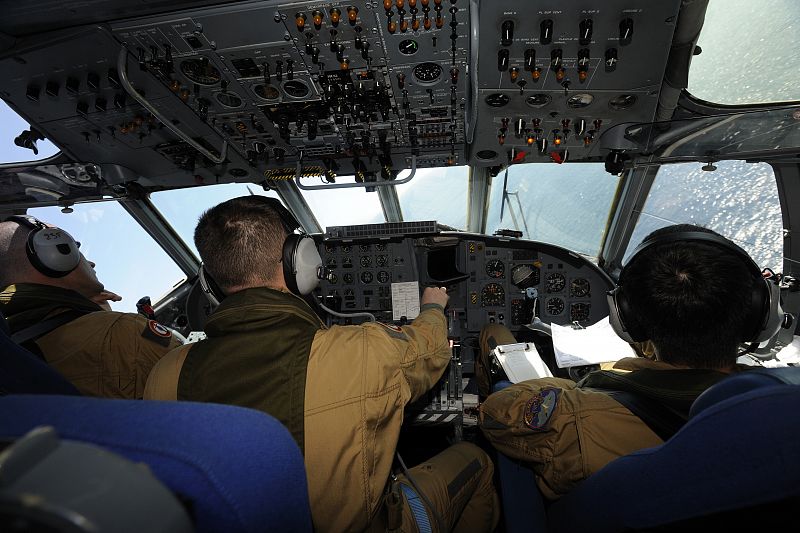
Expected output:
(736, 462)
(21, 372)
(743, 382)
(237, 469)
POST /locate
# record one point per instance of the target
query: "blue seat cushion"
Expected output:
(239, 468)
(743, 382)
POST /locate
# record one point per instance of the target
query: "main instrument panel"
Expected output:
(489, 279)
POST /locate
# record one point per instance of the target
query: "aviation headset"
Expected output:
(763, 316)
(51, 251)
(302, 264)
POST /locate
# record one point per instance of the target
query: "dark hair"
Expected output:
(691, 297)
(241, 241)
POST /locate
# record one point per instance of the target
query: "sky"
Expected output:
(566, 205)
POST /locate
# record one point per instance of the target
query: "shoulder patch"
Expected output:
(540, 409)
(157, 333)
(393, 331)
(392, 327)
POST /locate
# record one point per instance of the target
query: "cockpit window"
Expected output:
(343, 207)
(749, 53)
(567, 205)
(13, 127)
(739, 200)
(182, 207)
(438, 194)
(128, 261)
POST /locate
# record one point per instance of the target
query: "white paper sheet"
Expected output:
(521, 362)
(591, 346)
(405, 300)
(790, 355)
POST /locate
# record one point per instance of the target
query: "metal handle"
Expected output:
(122, 70)
(350, 185)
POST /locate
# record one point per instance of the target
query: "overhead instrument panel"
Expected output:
(553, 76)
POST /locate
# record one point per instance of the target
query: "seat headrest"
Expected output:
(744, 382)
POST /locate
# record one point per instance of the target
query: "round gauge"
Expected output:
(623, 101)
(579, 311)
(366, 261)
(366, 277)
(497, 100)
(347, 262)
(380, 247)
(579, 288)
(383, 277)
(346, 249)
(267, 92)
(381, 260)
(493, 295)
(555, 282)
(348, 278)
(296, 89)
(331, 262)
(333, 279)
(427, 73)
(524, 276)
(200, 71)
(330, 248)
(555, 306)
(348, 293)
(538, 100)
(486, 155)
(580, 100)
(364, 247)
(495, 268)
(229, 99)
(409, 47)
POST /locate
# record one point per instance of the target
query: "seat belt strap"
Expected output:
(40, 329)
(417, 509)
(662, 420)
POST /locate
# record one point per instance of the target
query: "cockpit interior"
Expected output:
(513, 152)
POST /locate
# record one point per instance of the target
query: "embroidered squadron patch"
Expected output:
(540, 408)
(392, 327)
(157, 333)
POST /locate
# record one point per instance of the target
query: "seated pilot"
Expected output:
(339, 390)
(696, 296)
(57, 309)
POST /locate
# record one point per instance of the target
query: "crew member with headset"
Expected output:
(691, 292)
(57, 308)
(339, 390)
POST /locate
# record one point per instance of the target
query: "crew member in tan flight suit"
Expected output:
(690, 291)
(339, 390)
(57, 308)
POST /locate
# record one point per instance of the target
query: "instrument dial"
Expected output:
(364, 247)
(555, 306)
(579, 311)
(380, 247)
(556, 282)
(525, 276)
(333, 279)
(348, 278)
(347, 263)
(366, 277)
(383, 277)
(346, 248)
(330, 262)
(381, 260)
(296, 89)
(200, 71)
(427, 73)
(267, 92)
(495, 269)
(330, 248)
(579, 288)
(409, 47)
(493, 295)
(366, 261)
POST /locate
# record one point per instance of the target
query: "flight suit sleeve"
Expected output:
(140, 342)
(563, 432)
(422, 348)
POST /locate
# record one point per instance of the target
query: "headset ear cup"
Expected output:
(210, 287)
(766, 315)
(289, 260)
(622, 318)
(56, 256)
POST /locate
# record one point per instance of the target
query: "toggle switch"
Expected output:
(530, 59)
(502, 60)
(611, 60)
(73, 86)
(546, 31)
(519, 127)
(585, 32)
(625, 31)
(507, 33)
(556, 56)
(51, 89)
(580, 127)
(32, 93)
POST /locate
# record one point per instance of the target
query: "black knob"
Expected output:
(100, 104)
(93, 81)
(502, 60)
(546, 31)
(82, 108)
(73, 86)
(315, 55)
(32, 93)
(507, 33)
(51, 89)
(530, 59)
